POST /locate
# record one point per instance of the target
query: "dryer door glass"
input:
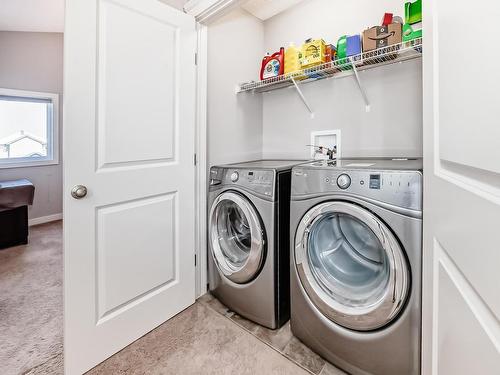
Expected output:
(351, 265)
(236, 237)
(347, 260)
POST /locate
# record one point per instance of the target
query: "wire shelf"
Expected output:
(340, 68)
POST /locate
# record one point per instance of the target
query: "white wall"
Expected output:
(394, 125)
(34, 61)
(234, 121)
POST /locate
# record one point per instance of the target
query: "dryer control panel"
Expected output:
(397, 188)
(259, 182)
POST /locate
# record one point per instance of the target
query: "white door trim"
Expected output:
(205, 11)
(201, 165)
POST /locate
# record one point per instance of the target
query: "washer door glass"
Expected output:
(237, 237)
(351, 265)
(234, 233)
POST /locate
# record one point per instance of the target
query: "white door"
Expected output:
(461, 320)
(129, 138)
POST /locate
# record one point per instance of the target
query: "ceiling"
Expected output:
(265, 9)
(48, 15)
(32, 15)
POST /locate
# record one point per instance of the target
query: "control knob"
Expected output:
(235, 176)
(343, 181)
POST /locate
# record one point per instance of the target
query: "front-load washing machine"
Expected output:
(248, 236)
(356, 271)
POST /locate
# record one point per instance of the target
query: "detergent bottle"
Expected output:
(293, 56)
(273, 65)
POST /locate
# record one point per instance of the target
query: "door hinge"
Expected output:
(196, 58)
(195, 262)
(195, 159)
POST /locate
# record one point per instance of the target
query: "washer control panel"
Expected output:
(343, 181)
(258, 181)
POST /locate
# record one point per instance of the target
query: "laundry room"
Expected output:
(369, 115)
(254, 187)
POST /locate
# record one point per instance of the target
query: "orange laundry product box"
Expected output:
(381, 36)
(330, 53)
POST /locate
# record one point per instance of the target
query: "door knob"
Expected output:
(78, 191)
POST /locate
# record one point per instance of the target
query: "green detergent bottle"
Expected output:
(413, 12)
(412, 29)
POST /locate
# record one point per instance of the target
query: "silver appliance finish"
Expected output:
(374, 208)
(243, 267)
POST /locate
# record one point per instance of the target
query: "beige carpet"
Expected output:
(31, 303)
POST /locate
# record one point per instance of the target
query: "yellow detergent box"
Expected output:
(313, 53)
(293, 57)
(293, 62)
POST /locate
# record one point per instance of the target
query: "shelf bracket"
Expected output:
(361, 88)
(299, 91)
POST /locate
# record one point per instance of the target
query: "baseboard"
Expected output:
(45, 219)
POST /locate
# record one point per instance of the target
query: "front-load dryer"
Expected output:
(356, 244)
(248, 236)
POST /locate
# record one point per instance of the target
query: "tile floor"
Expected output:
(281, 340)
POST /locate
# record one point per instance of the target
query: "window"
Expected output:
(28, 128)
